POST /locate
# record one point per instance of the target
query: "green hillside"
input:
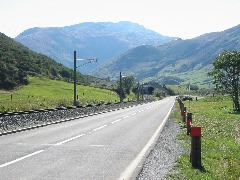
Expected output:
(179, 61)
(17, 62)
(45, 93)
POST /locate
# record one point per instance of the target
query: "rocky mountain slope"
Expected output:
(176, 61)
(103, 40)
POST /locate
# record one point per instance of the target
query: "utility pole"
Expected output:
(75, 79)
(75, 103)
(121, 90)
(138, 91)
(142, 91)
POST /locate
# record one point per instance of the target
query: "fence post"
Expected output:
(195, 156)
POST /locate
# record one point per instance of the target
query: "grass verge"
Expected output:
(220, 140)
(46, 93)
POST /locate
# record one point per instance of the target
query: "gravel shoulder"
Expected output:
(161, 161)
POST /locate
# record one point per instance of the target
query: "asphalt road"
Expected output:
(105, 146)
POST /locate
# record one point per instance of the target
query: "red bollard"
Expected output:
(189, 122)
(195, 156)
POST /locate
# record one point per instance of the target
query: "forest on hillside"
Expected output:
(17, 62)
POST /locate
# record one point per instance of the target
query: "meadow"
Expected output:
(220, 140)
(45, 93)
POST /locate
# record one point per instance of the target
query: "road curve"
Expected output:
(104, 146)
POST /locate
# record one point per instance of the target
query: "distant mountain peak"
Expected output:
(100, 39)
(29, 31)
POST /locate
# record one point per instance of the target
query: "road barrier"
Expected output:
(195, 132)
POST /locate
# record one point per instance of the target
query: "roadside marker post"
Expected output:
(184, 114)
(189, 122)
(195, 156)
(181, 106)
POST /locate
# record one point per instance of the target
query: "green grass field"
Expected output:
(220, 140)
(45, 93)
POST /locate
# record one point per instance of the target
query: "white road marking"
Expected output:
(96, 145)
(27, 144)
(21, 158)
(134, 114)
(68, 140)
(99, 128)
(125, 117)
(116, 121)
(128, 172)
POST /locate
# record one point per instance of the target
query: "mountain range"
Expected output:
(103, 40)
(174, 62)
(134, 50)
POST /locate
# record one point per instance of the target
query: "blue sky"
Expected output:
(180, 18)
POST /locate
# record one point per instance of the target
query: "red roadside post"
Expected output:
(184, 114)
(195, 156)
(189, 122)
(180, 105)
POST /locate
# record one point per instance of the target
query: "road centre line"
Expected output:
(96, 129)
(68, 140)
(116, 121)
(60, 143)
(21, 158)
(96, 145)
(40, 151)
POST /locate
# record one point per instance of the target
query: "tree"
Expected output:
(226, 73)
(150, 90)
(127, 84)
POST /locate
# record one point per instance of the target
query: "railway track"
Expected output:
(12, 122)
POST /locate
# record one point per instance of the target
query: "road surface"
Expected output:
(104, 146)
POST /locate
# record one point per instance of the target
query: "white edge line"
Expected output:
(20, 159)
(67, 140)
(128, 172)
